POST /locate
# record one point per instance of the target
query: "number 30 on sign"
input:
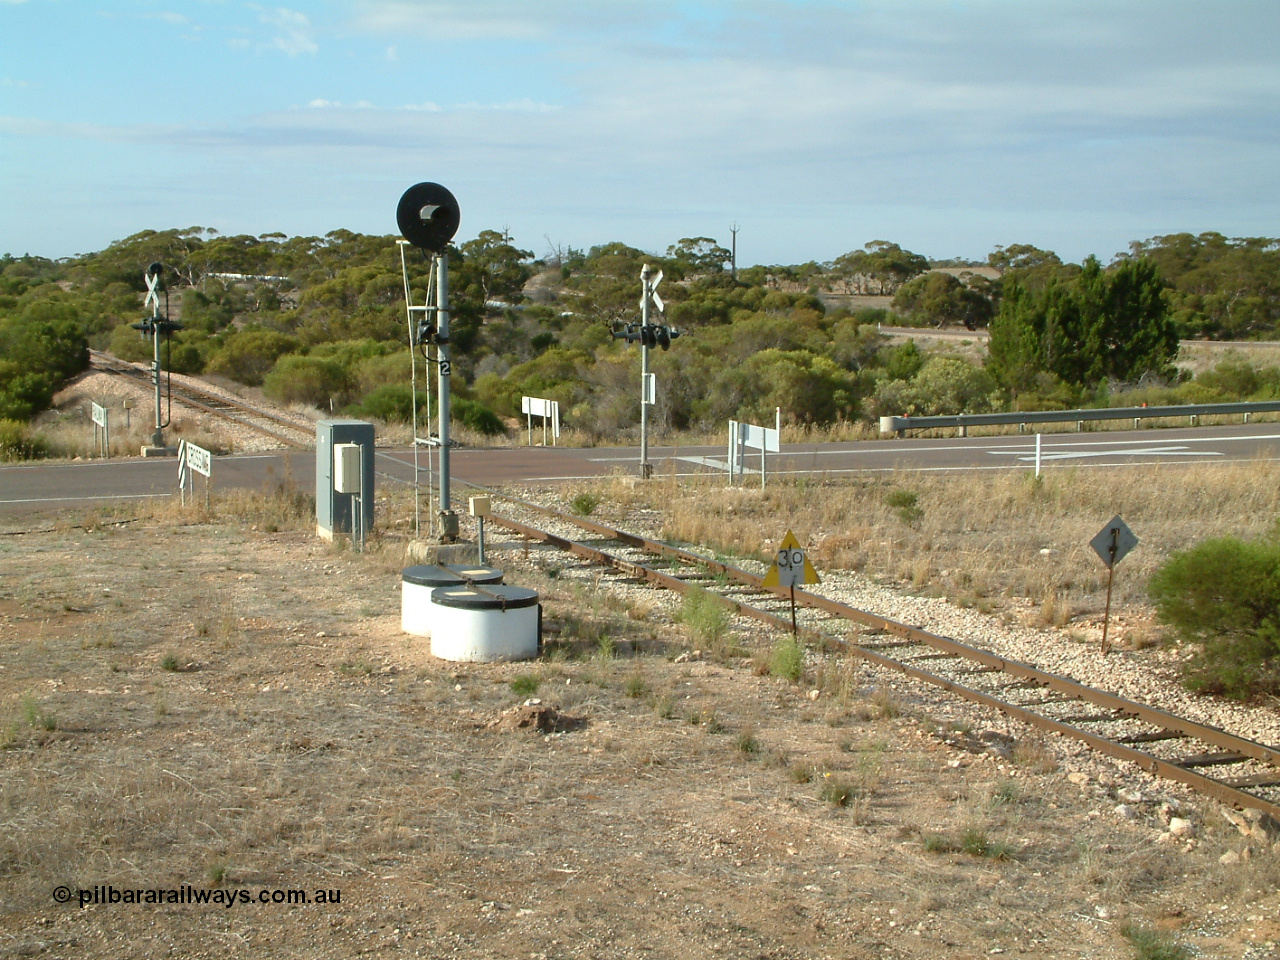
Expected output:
(791, 567)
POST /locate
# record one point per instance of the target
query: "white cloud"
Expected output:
(296, 35)
(837, 118)
(494, 19)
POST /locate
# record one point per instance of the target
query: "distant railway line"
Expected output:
(291, 433)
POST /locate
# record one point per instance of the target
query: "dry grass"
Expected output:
(303, 741)
(982, 536)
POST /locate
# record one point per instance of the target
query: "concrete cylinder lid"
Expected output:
(484, 598)
(475, 573)
(430, 575)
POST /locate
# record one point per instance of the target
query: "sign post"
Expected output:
(791, 567)
(648, 298)
(193, 459)
(1112, 544)
(548, 410)
(102, 429)
(743, 435)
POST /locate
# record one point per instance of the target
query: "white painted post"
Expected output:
(1037, 456)
(732, 451)
(645, 292)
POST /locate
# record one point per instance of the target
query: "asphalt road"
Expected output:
(42, 487)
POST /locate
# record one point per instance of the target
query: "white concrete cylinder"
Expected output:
(417, 582)
(483, 624)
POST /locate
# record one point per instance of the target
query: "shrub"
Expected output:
(837, 793)
(1223, 596)
(636, 686)
(706, 620)
(310, 380)
(747, 743)
(392, 403)
(473, 414)
(786, 659)
(905, 504)
(584, 504)
(19, 443)
(525, 684)
(248, 355)
(1150, 944)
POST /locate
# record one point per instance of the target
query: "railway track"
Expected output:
(1214, 762)
(264, 422)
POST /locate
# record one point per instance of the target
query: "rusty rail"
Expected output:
(1168, 726)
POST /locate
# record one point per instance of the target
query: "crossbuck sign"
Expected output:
(193, 459)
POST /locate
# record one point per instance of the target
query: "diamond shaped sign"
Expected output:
(1114, 541)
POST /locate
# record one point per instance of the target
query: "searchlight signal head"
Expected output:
(428, 216)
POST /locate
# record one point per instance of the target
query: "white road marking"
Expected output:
(1060, 454)
(118, 496)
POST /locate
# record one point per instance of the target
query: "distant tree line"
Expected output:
(321, 320)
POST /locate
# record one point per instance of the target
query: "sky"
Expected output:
(950, 127)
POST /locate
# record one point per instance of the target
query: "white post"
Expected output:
(1037, 456)
(645, 469)
(413, 383)
(729, 454)
(444, 370)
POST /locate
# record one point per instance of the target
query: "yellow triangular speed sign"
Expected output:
(791, 567)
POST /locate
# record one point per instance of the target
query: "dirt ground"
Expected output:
(226, 705)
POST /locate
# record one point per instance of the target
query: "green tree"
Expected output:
(607, 285)
(491, 269)
(315, 381)
(37, 357)
(1127, 329)
(1099, 325)
(880, 267)
(939, 299)
(809, 389)
(944, 386)
(698, 255)
(1220, 288)
(1024, 259)
(248, 355)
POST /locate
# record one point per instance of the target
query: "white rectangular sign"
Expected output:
(759, 438)
(546, 409)
(536, 406)
(99, 414)
(650, 388)
(200, 460)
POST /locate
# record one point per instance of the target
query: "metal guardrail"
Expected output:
(900, 425)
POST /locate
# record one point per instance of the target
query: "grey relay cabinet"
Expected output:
(333, 509)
